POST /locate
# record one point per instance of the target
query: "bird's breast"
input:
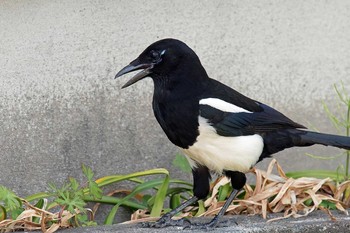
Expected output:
(179, 121)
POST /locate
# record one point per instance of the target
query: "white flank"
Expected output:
(220, 153)
(222, 105)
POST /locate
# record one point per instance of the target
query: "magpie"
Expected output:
(217, 128)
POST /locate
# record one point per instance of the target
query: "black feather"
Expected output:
(240, 124)
(307, 137)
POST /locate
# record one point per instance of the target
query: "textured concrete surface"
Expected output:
(315, 222)
(60, 106)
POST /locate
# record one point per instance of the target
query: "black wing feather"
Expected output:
(262, 118)
(239, 124)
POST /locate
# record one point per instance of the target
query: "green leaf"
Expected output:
(89, 224)
(181, 162)
(130, 177)
(71, 203)
(9, 198)
(83, 220)
(37, 196)
(108, 180)
(224, 191)
(159, 198)
(74, 184)
(308, 202)
(114, 201)
(328, 205)
(139, 188)
(41, 205)
(93, 187)
(321, 174)
(68, 197)
(87, 172)
(145, 199)
(176, 190)
(3, 213)
(175, 200)
(201, 208)
(16, 212)
(335, 121)
(323, 157)
(95, 190)
(342, 95)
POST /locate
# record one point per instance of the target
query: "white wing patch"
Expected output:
(222, 105)
(220, 153)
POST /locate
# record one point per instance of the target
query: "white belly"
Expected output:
(220, 153)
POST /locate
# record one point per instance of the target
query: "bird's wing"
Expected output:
(233, 114)
(228, 122)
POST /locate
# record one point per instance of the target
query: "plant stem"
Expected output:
(347, 134)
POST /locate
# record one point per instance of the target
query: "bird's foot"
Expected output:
(166, 221)
(206, 226)
(209, 225)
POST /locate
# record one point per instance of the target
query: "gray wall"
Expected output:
(60, 106)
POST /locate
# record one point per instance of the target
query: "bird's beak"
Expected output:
(147, 69)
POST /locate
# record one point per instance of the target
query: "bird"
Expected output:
(218, 129)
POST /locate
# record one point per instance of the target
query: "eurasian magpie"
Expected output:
(218, 129)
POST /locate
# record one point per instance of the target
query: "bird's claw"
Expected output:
(205, 226)
(166, 221)
(209, 225)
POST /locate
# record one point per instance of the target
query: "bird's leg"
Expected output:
(166, 220)
(238, 180)
(214, 222)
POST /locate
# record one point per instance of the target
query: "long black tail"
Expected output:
(276, 141)
(308, 137)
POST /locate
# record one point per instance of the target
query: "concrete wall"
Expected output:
(60, 106)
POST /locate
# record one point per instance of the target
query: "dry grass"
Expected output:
(273, 194)
(46, 221)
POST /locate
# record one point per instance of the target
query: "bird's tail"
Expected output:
(306, 138)
(282, 139)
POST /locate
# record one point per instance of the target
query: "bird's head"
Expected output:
(158, 60)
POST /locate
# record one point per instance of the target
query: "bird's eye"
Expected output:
(154, 55)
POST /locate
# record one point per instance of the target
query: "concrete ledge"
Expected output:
(318, 221)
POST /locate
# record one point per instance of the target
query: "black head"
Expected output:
(159, 60)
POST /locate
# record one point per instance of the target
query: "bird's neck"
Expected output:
(181, 84)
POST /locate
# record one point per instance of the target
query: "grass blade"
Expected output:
(321, 174)
(159, 198)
